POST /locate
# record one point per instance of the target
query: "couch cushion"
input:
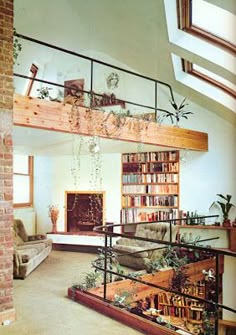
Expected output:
(27, 254)
(47, 242)
(20, 229)
(37, 237)
(127, 249)
(37, 246)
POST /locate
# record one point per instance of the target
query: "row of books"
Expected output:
(150, 178)
(196, 289)
(150, 200)
(179, 306)
(149, 156)
(130, 215)
(151, 167)
(151, 189)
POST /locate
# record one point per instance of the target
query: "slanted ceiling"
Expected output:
(134, 32)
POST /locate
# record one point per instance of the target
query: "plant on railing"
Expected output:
(208, 323)
(179, 112)
(17, 47)
(112, 263)
(44, 92)
(154, 265)
(180, 279)
(89, 281)
(172, 259)
(169, 258)
(124, 298)
(118, 121)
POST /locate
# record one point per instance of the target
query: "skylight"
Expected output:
(210, 77)
(210, 22)
(214, 20)
(214, 79)
(204, 50)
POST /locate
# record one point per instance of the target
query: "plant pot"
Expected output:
(226, 223)
(54, 225)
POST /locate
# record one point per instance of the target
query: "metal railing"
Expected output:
(216, 253)
(94, 61)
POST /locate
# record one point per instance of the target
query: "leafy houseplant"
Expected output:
(17, 47)
(44, 92)
(178, 113)
(225, 207)
(89, 281)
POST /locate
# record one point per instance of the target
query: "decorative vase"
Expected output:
(54, 225)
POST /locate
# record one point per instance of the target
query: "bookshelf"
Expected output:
(150, 187)
(185, 308)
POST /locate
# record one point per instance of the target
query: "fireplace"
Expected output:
(84, 210)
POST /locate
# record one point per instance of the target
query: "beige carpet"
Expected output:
(43, 308)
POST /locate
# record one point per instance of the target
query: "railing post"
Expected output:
(91, 85)
(155, 100)
(105, 269)
(217, 294)
(110, 248)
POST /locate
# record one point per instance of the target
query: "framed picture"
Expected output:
(73, 92)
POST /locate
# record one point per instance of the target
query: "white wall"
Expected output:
(53, 177)
(204, 175)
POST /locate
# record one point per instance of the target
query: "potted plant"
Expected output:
(178, 113)
(225, 207)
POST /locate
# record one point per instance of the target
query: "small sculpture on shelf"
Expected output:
(53, 213)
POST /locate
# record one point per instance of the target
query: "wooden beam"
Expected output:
(57, 116)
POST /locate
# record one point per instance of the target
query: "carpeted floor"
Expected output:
(42, 305)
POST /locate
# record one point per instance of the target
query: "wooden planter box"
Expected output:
(116, 313)
(162, 278)
(94, 298)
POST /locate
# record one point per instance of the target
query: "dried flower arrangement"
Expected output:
(53, 213)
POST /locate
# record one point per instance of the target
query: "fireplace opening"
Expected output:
(84, 210)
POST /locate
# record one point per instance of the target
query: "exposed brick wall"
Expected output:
(6, 160)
